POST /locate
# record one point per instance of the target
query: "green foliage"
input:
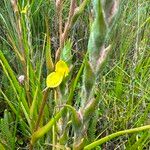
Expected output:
(92, 127)
(66, 52)
(97, 101)
(97, 33)
(7, 131)
(88, 81)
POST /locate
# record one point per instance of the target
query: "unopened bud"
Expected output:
(21, 79)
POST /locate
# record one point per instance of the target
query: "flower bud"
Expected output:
(21, 79)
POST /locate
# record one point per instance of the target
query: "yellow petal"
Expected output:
(54, 79)
(62, 67)
(24, 11)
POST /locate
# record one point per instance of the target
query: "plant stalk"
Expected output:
(113, 135)
(41, 109)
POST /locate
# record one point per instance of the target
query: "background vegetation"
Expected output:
(32, 30)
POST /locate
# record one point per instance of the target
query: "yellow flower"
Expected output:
(24, 10)
(62, 67)
(54, 79)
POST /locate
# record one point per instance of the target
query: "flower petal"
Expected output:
(54, 79)
(62, 67)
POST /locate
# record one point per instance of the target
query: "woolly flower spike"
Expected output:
(55, 78)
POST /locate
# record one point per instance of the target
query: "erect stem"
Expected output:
(74, 13)
(40, 112)
(64, 35)
(67, 26)
(41, 109)
(59, 8)
(43, 130)
(113, 135)
(79, 10)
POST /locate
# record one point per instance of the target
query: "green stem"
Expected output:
(113, 135)
(43, 130)
(40, 114)
(79, 11)
(41, 109)
(72, 18)
(54, 136)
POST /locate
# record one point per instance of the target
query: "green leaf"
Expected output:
(49, 61)
(89, 110)
(42, 131)
(2, 147)
(6, 131)
(9, 103)
(10, 71)
(88, 80)
(66, 52)
(97, 34)
(76, 120)
(19, 91)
